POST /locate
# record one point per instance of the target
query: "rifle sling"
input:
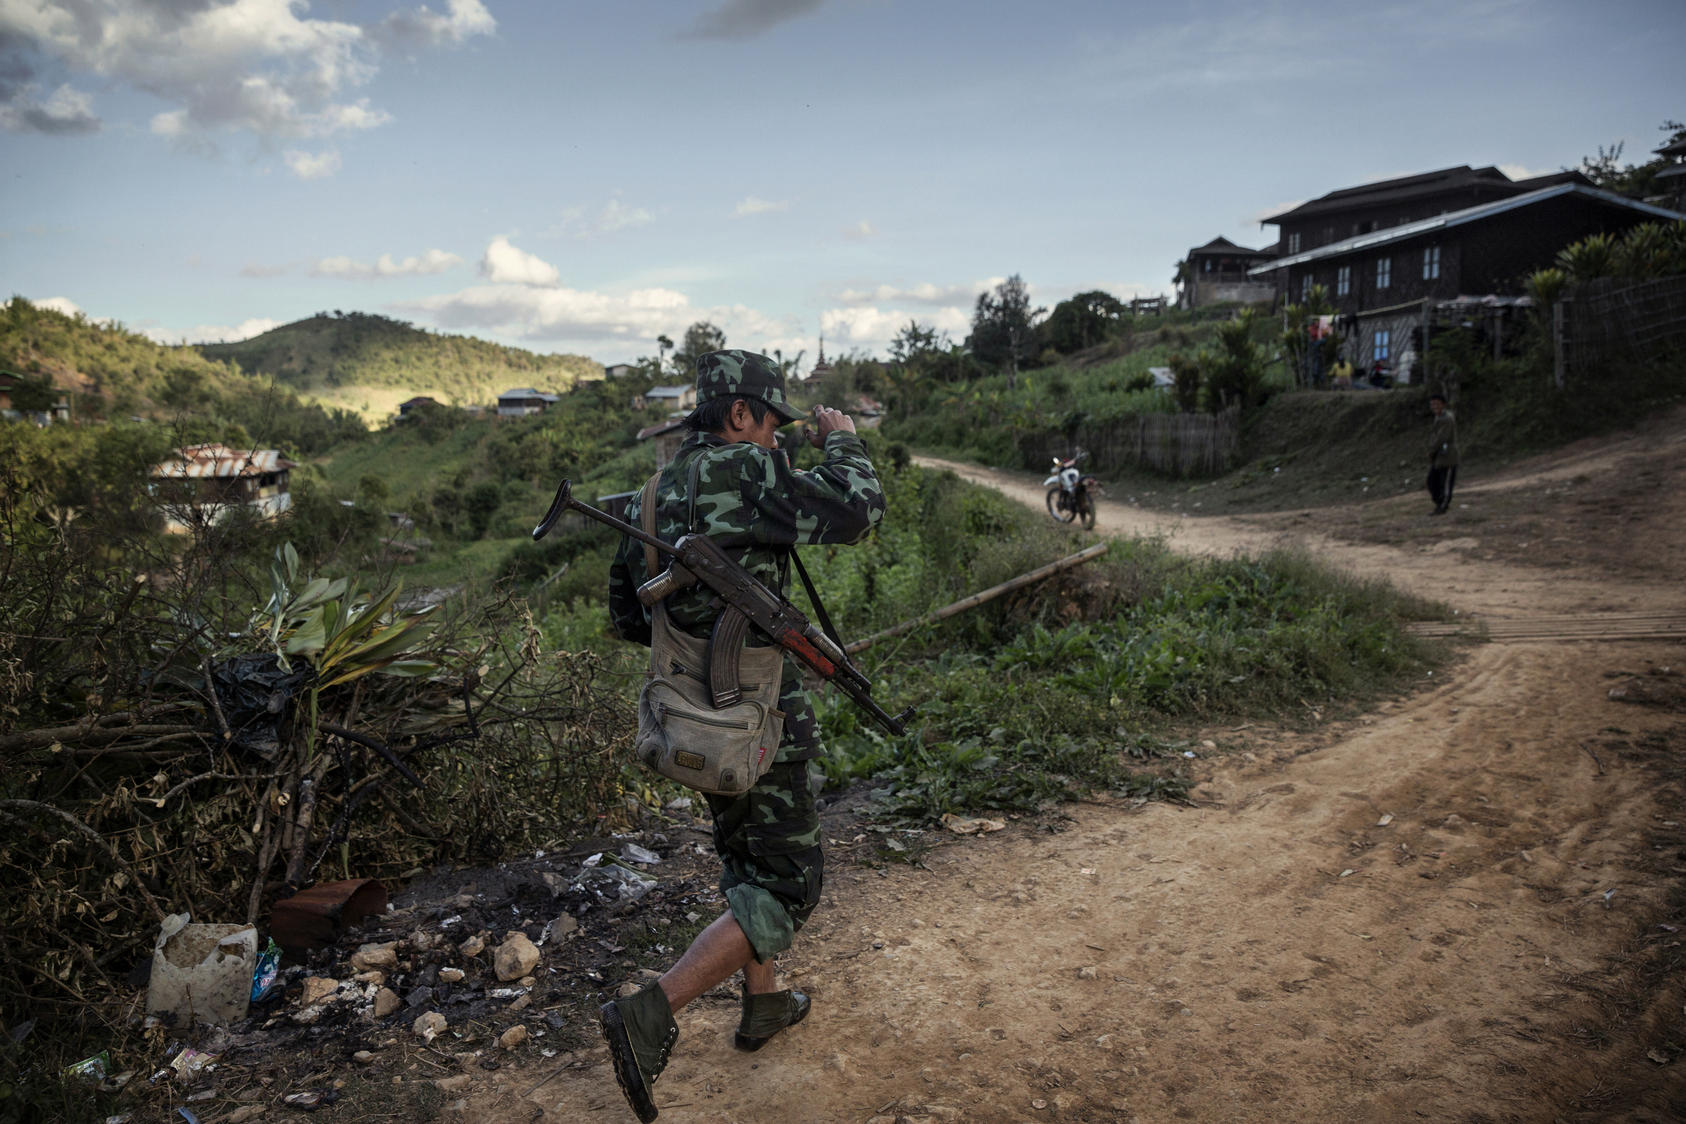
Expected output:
(731, 628)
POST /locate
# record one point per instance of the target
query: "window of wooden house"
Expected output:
(1343, 281)
(1384, 272)
(1294, 242)
(1431, 263)
(1305, 288)
(1381, 347)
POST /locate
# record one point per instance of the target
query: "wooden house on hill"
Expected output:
(525, 400)
(202, 484)
(682, 398)
(1217, 272)
(409, 406)
(668, 436)
(1387, 282)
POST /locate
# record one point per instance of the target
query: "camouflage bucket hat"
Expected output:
(743, 374)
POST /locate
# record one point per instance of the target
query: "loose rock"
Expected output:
(383, 957)
(455, 1084)
(386, 1002)
(430, 1026)
(317, 989)
(451, 975)
(516, 957)
(472, 947)
(513, 1037)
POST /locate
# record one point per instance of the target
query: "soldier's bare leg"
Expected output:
(719, 950)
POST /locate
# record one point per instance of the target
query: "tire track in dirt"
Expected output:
(1279, 949)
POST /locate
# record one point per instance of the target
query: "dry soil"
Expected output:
(1463, 906)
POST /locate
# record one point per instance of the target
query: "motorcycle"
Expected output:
(1071, 494)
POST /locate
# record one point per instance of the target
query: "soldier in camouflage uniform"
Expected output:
(748, 497)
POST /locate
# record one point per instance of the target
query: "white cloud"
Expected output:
(425, 28)
(859, 232)
(919, 294)
(614, 215)
(584, 318)
(431, 262)
(753, 206)
(872, 328)
(68, 111)
(260, 66)
(59, 304)
(245, 330)
(312, 165)
(504, 264)
(1523, 172)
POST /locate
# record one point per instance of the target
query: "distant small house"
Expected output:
(525, 400)
(201, 484)
(617, 370)
(668, 436)
(867, 413)
(406, 408)
(1217, 272)
(59, 411)
(1163, 377)
(672, 397)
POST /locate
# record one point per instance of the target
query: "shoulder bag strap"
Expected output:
(647, 513)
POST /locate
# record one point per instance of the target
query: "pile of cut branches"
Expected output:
(195, 723)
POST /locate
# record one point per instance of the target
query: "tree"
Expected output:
(663, 346)
(1637, 180)
(700, 339)
(1004, 327)
(1082, 322)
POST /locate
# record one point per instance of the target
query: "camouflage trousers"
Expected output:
(768, 841)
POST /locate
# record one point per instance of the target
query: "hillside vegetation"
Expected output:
(110, 373)
(368, 364)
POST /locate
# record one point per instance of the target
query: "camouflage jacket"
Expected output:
(756, 505)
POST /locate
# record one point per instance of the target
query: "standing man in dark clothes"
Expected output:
(731, 482)
(1442, 454)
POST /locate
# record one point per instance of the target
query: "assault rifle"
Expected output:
(697, 558)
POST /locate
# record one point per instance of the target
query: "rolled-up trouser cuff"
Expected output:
(763, 920)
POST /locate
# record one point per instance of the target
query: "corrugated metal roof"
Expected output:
(197, 462)
(1457, 218)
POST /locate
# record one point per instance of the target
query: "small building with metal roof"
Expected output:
(201, 484)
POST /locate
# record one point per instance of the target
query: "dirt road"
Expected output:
(1454, 908)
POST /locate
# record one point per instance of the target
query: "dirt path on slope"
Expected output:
(1446, 910)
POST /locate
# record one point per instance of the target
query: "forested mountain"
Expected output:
(369, 363)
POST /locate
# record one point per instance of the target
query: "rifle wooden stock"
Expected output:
(698, 558)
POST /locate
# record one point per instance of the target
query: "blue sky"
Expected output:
(582, 177)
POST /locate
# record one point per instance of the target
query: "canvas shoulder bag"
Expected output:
(681, 735)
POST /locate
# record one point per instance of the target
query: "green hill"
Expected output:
(368, 364)
(108, 373)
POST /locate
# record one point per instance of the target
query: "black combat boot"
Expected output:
(766, 1014)
(641, 1032)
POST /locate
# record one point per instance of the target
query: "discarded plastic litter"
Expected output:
(96, 1068)
(633, 853)
(190, 1063)
(264, 975)
(202, 972)
(609, 880)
